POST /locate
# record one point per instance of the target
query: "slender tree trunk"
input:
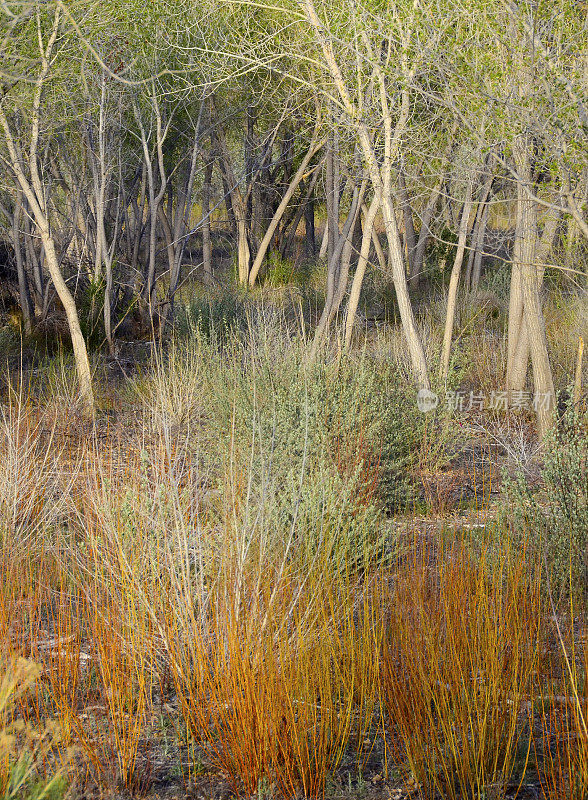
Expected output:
(411, 332)
(428, 214)
(515, 308)
(32, 188)
(409, 234)
(324, 241)
(423, 238)
(177, 235)
(368, 231)
(238, 205)
(33, 260)
(331, 205)
(23, 287)
(314, 147)
(249, 145)
(228, 197)
(309, 229)
(522, 349)
(381, 180)
(533, 314)
(79, 345)
(478, 249)
(330, 307)
(155, 196)
(342, 268)
(380, 255)
(454, 285)
(306, 196)
(571, 239)
(206, 240)
(108, 289)
(474, 265)
(139, 220)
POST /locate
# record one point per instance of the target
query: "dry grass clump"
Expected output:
(561, 735)
(27, 475)
(458, 664)
(23, 750)
(270, 674)
(566, 320)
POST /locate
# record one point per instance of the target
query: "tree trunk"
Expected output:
(522, 351)
(368, 230)
(421, 245)
(306, 196)
(342, 268)
(309, 229)
(177, 235)
(380, 178)
(79, 345)
(332, 222)
(473, 270)
(409, 326)
(33, 189)
(238, 204)
(23, 286)
(533, 314)
(454, 285)
(409, 234)
(206, 240)
(330, 308)
(515, 310)
(427, 217)
(315, 146)
(478, 249)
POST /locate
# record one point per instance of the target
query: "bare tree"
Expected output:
(24, 167)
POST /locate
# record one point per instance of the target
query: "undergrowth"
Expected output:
(215, 584)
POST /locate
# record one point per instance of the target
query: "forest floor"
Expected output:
(414, 648)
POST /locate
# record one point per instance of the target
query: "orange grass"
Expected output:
(22, 748)
(457, 670)
(266, 681)
(561, 738)
(280, 661)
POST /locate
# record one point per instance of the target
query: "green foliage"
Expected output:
(312, 450)
(319, 408)
(24, 751)
(557, 516)
(440, 254)
(9, 340)
(90, 303)
(215, 316)
(282, 272)
(496, 280)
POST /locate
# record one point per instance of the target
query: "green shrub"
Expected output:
(556, 517)
(212, 316)
(440, 255)
(312, 450)
(90, 302)
(283, 272)
(496, 281)
(24, 752)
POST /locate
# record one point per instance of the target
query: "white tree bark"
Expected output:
(454, 284)
(368, 231)
(380, 175)
(315, 146)
(33, 189)
(529, 277)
